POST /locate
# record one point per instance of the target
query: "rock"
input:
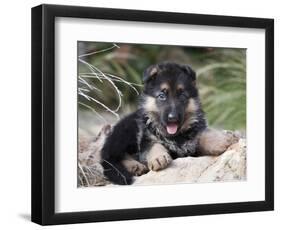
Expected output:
(229, 166)
(90, 171)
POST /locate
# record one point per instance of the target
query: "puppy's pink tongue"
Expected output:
(172, 128)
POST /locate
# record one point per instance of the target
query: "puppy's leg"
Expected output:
(158, 157)
(133, 166)
(214, 142)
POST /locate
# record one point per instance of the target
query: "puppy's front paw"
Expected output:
(158, 158)
(215, 142)
(161, 161)
(134, 167)
(138, 169)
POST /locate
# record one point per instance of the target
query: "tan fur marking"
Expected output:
(150, 104)
(133, 166)
(190, 116)
(180, 87)
(215, 142)
(158, 157)
(191, 107)
(164, 86)
(153, 71)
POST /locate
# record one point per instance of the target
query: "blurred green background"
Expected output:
(110, 77)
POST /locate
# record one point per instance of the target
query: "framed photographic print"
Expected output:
(143, 114)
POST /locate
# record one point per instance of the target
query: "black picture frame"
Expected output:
(43, 114)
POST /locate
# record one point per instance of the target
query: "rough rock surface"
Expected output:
(229, 166)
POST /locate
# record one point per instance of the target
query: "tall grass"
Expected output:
(100, 91)
(222, 85)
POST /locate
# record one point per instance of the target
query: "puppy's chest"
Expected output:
(181, 147)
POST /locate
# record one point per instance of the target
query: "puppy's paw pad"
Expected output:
(161, 161)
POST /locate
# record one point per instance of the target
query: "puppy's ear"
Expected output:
(190, 72)
(150, 73)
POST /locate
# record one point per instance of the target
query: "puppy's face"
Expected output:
(170, 91)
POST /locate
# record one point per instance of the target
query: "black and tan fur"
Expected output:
(168, 124)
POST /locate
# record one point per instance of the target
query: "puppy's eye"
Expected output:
(162, 96)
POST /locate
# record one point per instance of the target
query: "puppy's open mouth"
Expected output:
(172, 128)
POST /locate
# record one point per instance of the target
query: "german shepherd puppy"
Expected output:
(167, 125)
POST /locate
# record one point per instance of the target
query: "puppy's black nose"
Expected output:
(172, 117)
